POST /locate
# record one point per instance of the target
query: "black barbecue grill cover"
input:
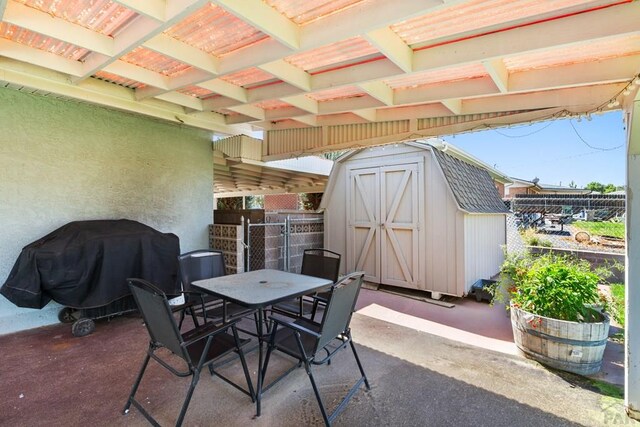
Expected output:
(85, 264)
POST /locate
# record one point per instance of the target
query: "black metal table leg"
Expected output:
(259, 387)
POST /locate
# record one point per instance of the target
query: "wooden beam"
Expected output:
(250, 111)
(349, 23)
(436, 93)
(37, 57)
(362, 18)
(140, 31)
(284, 113)
(274, 91)
(51, 26)
(265, 18)
(586, 73)
(182, 99)
(180, 51)
(567, 98)
(309, 120)
(613, 21)
(154, 9)
(226, 89)
(453, 105)
(264, 191)
(218, 102)
(302, 102)
(348, 104)
(370, 71)
(137, 73)
(379, 90)
(499, 73)
(393, 47)
(240, 119)
(106, 94)
(288, 73)
(368, 114)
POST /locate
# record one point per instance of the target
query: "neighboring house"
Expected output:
(521, 186)
(416, 215)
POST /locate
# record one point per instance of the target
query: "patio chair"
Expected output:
(313, 343)
(205, 264)
(198, 347)
(321, 263)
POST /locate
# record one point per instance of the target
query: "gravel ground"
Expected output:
(566, 240)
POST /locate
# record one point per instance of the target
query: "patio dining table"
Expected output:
(259, 290)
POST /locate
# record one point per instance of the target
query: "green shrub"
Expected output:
(617, 302)
(552, 286)
(531, 238)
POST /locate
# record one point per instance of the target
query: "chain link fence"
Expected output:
(265, 246)
(280, 245)
(594, 222)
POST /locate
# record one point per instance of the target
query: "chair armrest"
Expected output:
(295, 327)
(210, 329)
(188, 304)
(319, 298)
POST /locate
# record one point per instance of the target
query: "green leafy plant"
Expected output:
(531, 238)
(550, 285)
(617, 302)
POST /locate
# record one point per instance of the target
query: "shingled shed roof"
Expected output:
(471, 186)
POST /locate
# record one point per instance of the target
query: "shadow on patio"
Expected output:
(50, 377)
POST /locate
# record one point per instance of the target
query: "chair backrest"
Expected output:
(155, 310)
(321, 263)
(200, 264)
(342, 302)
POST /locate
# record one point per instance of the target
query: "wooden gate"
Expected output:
(385, 207)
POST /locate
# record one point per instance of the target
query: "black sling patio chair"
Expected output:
(321, 263)
(199, 347)
(313, 343)
(205, 264)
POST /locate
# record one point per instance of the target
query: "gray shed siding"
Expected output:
(456, 247)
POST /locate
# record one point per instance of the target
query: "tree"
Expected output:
(230, 203)
(572, 184)
(310, 201)
(601, 188)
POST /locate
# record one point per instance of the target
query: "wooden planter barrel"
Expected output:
(569, 346)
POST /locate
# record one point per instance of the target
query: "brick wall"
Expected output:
(276, 202)
(518, 190)
(228, 239)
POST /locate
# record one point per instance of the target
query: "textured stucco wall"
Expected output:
(64, 161)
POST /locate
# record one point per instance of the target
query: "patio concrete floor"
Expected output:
(48, 377)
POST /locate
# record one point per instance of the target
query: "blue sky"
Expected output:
(552, 151)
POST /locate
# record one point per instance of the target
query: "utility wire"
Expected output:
(589, 145)
(525, 135)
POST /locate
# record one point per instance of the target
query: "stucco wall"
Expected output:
(63, 161)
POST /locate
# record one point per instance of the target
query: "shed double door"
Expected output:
(384, 209)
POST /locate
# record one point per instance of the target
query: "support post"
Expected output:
(632, 267)
(247, 266)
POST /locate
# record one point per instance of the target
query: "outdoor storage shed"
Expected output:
(415, 215)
